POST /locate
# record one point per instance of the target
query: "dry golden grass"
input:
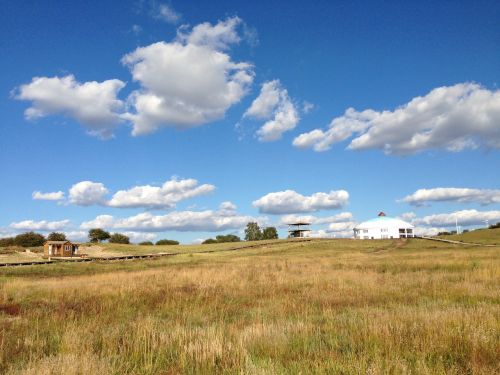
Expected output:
(342, 306)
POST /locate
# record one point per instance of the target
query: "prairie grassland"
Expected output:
(340, 306)
(483, 236)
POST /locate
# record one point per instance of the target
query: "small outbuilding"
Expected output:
(297, 230)
(383, 227)
(60, 249)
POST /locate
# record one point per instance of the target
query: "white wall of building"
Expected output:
(383, 228)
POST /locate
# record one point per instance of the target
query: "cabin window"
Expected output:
(409, 231)
(384, 230)
(401, 230)
(365, 230)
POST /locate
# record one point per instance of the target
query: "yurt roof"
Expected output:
(384, 222)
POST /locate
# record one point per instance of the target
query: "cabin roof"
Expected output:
(56, 242)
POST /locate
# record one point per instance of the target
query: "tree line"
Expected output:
(96, 235)
(252, 233)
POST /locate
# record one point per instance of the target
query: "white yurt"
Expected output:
(383, 227)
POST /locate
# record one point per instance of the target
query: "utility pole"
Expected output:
(456, 224)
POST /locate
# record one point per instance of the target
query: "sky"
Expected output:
(189, 119)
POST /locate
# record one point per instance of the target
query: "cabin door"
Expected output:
(50, 250)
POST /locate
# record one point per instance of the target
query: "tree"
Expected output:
(56, 236)
(119, 238)
(209, 241)
(7, 241)
(146, 243)
(29, 239)
(270, 233)
(227, 238)
(253, 232)
(98, 235)
(167, 242)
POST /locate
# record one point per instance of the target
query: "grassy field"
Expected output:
(339, 306)
(483, 236)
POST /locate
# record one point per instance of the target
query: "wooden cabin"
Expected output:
(59, 249)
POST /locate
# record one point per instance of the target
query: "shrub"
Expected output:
(7, 241)
(119, 238)
(209, 241)
(167, 242)
(98, 235)
(253, 232)
(29, 239)
(494, 226)
(146, 243)
(56, 236)
(270, 233)
(227, 238)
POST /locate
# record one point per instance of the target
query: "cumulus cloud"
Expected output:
(316, 220)
(461, 195)
(289, 201)
(184, 83)
(182, 221)
(165, 12)
(93, 104)
(453, 118)
(407, 216)
(43, 225)
(53, 196)
(334, 230)
(188, 82)
(218, 37)
(274, 105)
(463, 218)
(140, 236)
(165, 196)
(88, 193)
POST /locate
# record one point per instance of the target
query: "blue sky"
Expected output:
(251, 100)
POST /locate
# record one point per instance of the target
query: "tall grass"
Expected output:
(345, 307)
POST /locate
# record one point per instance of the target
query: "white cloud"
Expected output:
(344, 227)
(53, 196)
(274, 105)
(218, 37)
(289, 201)
(6, 232)
(165, 196)
(182, 221)
(87, 193)
(43, 225)
(461, 195)
(453, 118)
(407, 216)
(463, 218)
(136, 29)
(307, 107)
(165, 13)
(335, 230)
(228, 208)
(316, 220)
(101, 221)
(429, 231)
(93, 104)
(136, 237)
(188, 82)
(77, 235)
